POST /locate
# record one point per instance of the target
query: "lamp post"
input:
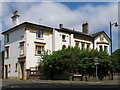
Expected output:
(111, 24)
(96, 64)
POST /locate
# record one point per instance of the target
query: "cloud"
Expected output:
(52, 14)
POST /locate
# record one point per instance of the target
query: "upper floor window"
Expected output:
(7, 52)
(39, 34)
(82, 45)
(39, 49)
(21, 48)
(7, 38)
(63, 38)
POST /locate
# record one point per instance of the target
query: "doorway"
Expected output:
(6, 72)
(22, 70)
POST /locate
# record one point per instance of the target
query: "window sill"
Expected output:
(7, 58)
(22, 55)
(63, 40)
(39, 38)
(37, 54)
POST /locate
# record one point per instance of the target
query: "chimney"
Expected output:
(15, 18)
(85, 28)
(60, 26)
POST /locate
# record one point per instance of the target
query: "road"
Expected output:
(8, 84)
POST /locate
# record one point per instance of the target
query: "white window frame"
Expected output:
(39, 34)
(21, 48)
(63, 38)
(7, 52)
(39, 48)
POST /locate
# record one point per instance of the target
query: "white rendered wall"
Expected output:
(15, 38)
(31, 59)
(97, 39)
(58, 40)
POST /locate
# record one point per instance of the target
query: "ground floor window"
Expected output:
(39, 48)
(100, 48)
(105, 48)
(82, 45)
(63, 47)
(88, 46)
(9, 68)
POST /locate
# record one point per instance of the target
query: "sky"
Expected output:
(70, 14)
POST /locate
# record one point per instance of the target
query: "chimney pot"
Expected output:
(85, 28)
(60, 26)
(15, 18)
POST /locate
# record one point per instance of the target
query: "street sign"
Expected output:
(96, 63)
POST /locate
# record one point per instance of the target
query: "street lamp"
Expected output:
(111, 24)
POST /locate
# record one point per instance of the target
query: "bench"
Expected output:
(76, 75)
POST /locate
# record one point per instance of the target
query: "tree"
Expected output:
(115, 61)
(72, 58)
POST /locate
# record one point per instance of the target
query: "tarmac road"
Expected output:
(9, 84)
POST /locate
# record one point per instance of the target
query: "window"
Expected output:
(39, 49)
(9, 68)
(7, 38)
(15, 67)
(77, 44)
(88, 46)
(100, 48)
(21, 48)
(7, 52)
(63, 38)
(82, 45)
(105, 48)
(39, 34)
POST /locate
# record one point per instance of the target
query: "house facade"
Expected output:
(25, 43)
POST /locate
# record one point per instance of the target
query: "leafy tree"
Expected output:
(73, 58)
(115, 61)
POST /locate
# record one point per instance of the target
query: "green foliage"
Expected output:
(115, 61)
(73, 58)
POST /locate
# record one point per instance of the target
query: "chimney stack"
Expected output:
(60, 26)
(15, 18)
(85, 28)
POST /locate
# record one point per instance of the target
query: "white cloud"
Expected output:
(52, 14)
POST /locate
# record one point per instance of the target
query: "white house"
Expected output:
(25, 42)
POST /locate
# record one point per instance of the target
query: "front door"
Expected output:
(6, 72)
(22, 70)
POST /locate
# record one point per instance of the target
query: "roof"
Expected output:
(94, 35)
(72, 31)
(24, 24)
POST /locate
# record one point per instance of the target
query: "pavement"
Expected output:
(36, 83)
